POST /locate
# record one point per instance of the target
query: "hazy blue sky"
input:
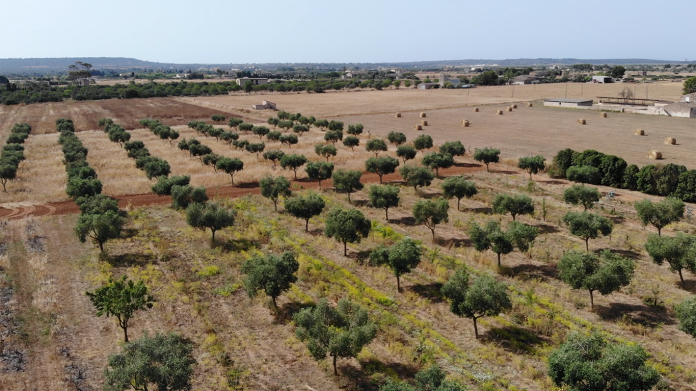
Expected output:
(219, 31)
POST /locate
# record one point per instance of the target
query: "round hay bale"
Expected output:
(603, 115)
(582, 121)
(670, 141)
(529, 104)
(424, 123)
(509, 109)
(639, 132)
(465, 123)
(499, 112)
(623, 110)
(514, 106)
(655, 155)
(398, 115)
(422, 115)
(417, 127)
(476, 109)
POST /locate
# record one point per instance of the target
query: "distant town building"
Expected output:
(426, 86)
(253, 80)
(539, 73)
(267, 105)
(563, 102)
(525, 79)
(602, 79)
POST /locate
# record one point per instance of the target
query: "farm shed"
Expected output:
(267, 105)
(602, 79)
(525, 79)
(254, 80)
(563, 102)
(426, 86)
(681, 109)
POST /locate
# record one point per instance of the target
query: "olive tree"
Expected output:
(679, 251)
(660, 214)
(431, 213)
(164, 185)
(305, 207)
(686, 314)
(533, 164)
(340, 332)
(355, 129)
(183, 196)
(319, 171)
(271, 274)
(396, 138)
(582, 195)
(492, 237)
(588, 226)
(381, 166)
(121, 299)
(458, 187)
(483, 297)
(515, 204)
(416, 176)
(384, 197)
(438, 160)
(230, 166)
(347, 226)
(207, 215)
(275, 187)
(325, 150)
(99, 227)
(376, 145)
(347, 181)
(293, 162)
(487, 156)
(406, 152)
(423, 142)
(606, 273)
(351, 142)
(454, 148)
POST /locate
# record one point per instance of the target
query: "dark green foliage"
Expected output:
(630, 179)
(211, 159)
(686, 186)
(156, 168)
(8, 172)
(679, 251)
(340, 332)
(333, 136)
(564, 159)
(325, 150)
(484, 297)
(319, 171)
(99, 227)
(230, 166)
(299, 129)
(612, 169)
(428, 379)
(260, 131)
(78, 187)
(218, 118)
(645, 179)
(164, 185)
(198, 150)
(454, 148)
(274, 155)
(288, 139)
(588, 363)
(256, 148)
(431, 213)
(686, 313)
(285, 125)
(305, 207)
(121, 299)
(588, 225)
(347, 181)
(381, 166)
(660, 214)
(406, 152)
(347, 226)
(423, 142)
(584, 174)
(207, 215)
(416, 176)
(351, 142)
(271, 274)
(335, 125)
(229, 137)
(458, 187)
(274, 188)
(384, 197)
(376, 145)
(438, 160)
(502, 242)
(402, 257)
(582, 195)
(667, 179)
(164, 362)
(245, 127)
(97, 204)
(533, 164)
(396, 138)
(234, 122)
(293, 162)
(487, 156)
(606, 273)
(689, 85)
(515, 204)
(183, 196)
(355, 129)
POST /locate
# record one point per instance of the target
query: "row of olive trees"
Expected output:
(13, 153)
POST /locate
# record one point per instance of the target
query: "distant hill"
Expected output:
(57, 65)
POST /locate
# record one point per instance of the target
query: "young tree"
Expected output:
(325, 150)
(454, 148)
(396, 138)
(686, 314)
(381, 166)
(679, 251)
(376, 145)
(218, 118)
(355, 129)
(347, 181)
(299, 129)
(260, 131)
(121, 299)
(351, 142)
(271, 274)
(274, 135)
(431, 213)
(164, 362)
(484, 297)
(588, 226)
(305, 207)
(213, 216)
(589, 363)
(347, 226)
(533, 164)
(582, 195)
(660, 214)
(8, 172)
(416, 176)
(274, 188)
(333, 136)
(438, 160)
(289, 139)
(458, 187)
(273, 121)
(293, 162)
(319, 171)
(256, 148)
(230, 166)
(515, 204)
(183, 196)
(423, 142)
(321, 123)
(406, 152)
(245, 127)
(384, 197)
(487, 156)
(274, 155)
(340, 331)
(606, 273)
(492, 237)
(99, 227)
(403, 256)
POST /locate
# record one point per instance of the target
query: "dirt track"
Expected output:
(22, 210)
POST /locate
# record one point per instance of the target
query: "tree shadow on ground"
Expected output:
(128, 260)
(462, 164)
(128, 233)
(641, 314)
(624, 253)
(617, 219)
(359, 202)
(514, 339)
(552, 182)
(484, 210)
(452, 241)
(429, 291)
(405, 220)
(286, 311)
(237, 245)
(506, 172)
(689, 285)
(547, 229)
(533, 271)
(360, 256)
(428, 194)
(361, 378)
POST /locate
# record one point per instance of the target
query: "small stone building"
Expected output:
(563, 102)
(267, 105)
